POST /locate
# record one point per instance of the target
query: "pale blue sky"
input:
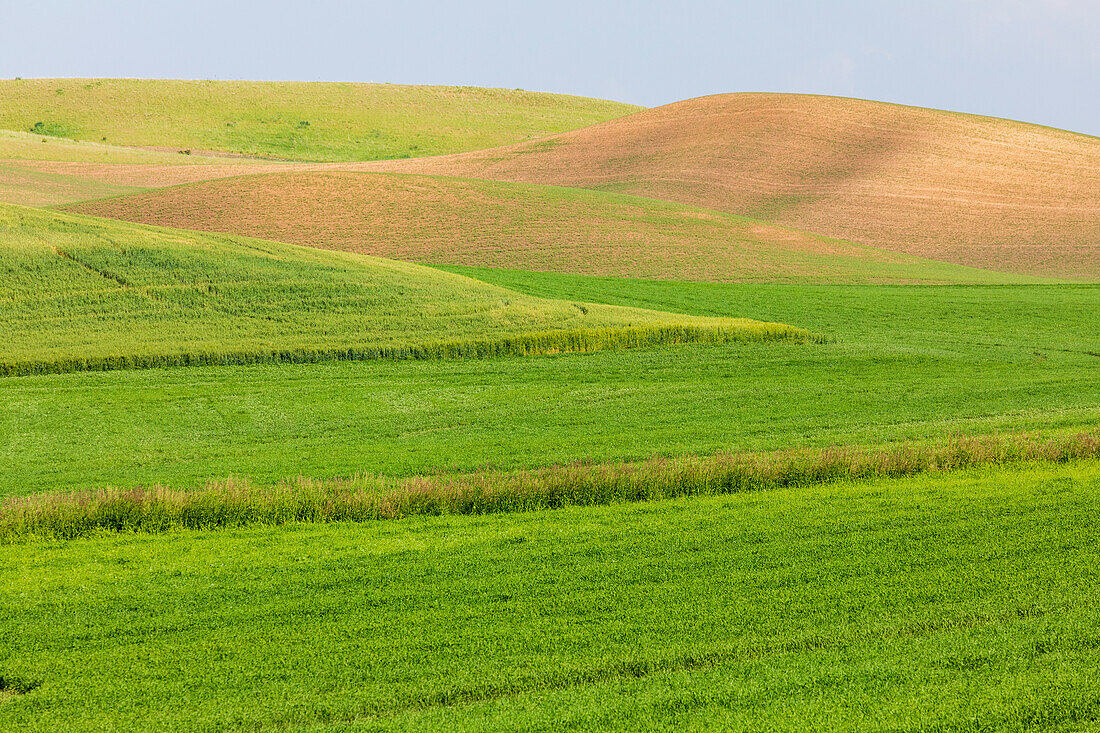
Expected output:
(1034, 60)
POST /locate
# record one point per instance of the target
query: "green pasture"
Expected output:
(962, 602)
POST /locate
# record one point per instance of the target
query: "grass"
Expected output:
(299, 120)
(977, 191)
(959, 602)
(937, 572)
(905, 363)
(1041, 321)
(455, 221)
(68, 515)
(85, 294)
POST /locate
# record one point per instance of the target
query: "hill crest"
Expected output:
(977, 191)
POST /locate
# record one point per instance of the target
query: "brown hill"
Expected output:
(522, 226)
(972, 190)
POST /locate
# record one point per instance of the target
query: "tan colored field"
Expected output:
(137, 175)
(521, 226)
(973, 190)
(976, 191)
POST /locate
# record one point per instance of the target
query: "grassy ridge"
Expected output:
(455, 221)
(947, 602)
(300, 120)
(79, 293)
(524, 344)
(364, 498)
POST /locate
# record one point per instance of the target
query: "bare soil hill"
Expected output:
(455, 221)
(972, 190)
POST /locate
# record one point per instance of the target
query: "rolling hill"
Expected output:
(78, 293)
(301, 120)
(975, 191)
(454, 221)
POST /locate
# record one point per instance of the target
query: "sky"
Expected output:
(1031, 60)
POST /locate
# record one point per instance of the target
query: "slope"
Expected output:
(304, 120)
(976, 191)
(79, 293)
(29, 187)
(521, 226)
(37, 170)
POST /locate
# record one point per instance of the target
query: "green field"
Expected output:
(950, 603)
(904, 363)
(571, 460)
(301, 121)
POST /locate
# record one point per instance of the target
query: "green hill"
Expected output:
(80, 293)
(300, 120)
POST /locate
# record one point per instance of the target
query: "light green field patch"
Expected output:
(299, 120)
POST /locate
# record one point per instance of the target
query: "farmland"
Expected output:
(975, 191)
(843, 607)
(122, 296)
(903, 363)
(467, 408)
(520, 226)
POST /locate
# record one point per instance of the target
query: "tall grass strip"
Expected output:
(531, 344)
(236, 503)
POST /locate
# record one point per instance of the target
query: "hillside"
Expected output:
(26, 176)
(976, 191)
(29, 187)
(302, 120)
(79, 293)
(520, 226)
